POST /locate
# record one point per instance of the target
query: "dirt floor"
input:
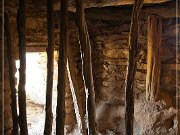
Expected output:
(35, 118)
(150, 118)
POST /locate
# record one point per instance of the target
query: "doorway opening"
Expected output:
(36, 74)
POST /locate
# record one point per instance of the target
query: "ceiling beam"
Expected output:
(166, 10)
(104, 3)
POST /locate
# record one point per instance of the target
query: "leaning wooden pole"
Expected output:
(153, 57)
(62, 69)
(11, 63)
(87, 67)
(50, 69)
(22, 70)
(93, 129)
(76, 93)
(131, 70)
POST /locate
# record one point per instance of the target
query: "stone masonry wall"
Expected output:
(109, 41)
(110, 52)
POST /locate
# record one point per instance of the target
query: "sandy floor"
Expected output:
(35, 118)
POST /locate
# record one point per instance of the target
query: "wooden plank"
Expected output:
(87, 67)
(11, 67)
(153, 57)
(134, 50)
(62, 69)
(50, 69)
(22, 70)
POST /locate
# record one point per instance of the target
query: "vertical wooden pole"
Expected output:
(131, 70)
(62, 69)
(50, 68)
(153, 57)
(11, 63)
(22, 70)
(87, 67)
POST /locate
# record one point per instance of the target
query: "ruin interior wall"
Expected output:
(109, 41)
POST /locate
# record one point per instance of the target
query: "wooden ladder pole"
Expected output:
(62, 68)
(22, 70)
(131, 70)
(76, 93)
(50, 68)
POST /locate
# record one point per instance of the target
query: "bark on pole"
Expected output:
(76, 92)
(87, 67)
(11, 63)
(153, 57)
(62, 69)
(131, 69)
(93, 129)
(50, 69)
(22, 70)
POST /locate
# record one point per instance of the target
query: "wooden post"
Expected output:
(153, 57)
(62, 69)
(50, 69)
(11, 63)
(131, 70)
(87, 67)
(22, 70)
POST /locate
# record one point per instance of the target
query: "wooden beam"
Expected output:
(22, 70)
(62, 69)
(11, 64)
(166, 10)
(106, 3)
(153, 57)
(36, 48)
(87, 67)
(50, 68)
(131, 70)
